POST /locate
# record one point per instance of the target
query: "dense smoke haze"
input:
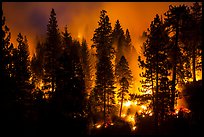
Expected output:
(31, 18)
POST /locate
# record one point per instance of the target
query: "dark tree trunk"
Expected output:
(173, 89)
(104, 109)
(121, 105)
(194, 63)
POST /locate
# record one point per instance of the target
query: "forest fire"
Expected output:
(97, 80)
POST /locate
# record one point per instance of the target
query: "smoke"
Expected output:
(31, 18)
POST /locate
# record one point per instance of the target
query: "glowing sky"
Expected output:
(31, 18)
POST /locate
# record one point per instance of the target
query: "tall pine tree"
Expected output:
(124, 78)
(104, 89)
(156, 65)
(53, 50)
(175, 17)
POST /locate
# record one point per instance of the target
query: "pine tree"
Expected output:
(22, 63)
(6, 51)
(118, 40)
(63, 95)
(124, 78)
(196, 11)
(156, 65)
(123, 70)
(67, 40)
(8, 86)
(37, 60)
(104, 89)
(53, 49)
(86, 65)
(174, 19)
(129, 48)
(77, 78)
(191, 37)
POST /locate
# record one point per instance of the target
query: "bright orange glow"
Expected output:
(127, 104)
(98, 126)
(144, 107)
(134, 127)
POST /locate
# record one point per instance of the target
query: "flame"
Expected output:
(134, 127)
(144, 107)
(127, 104)
(98, 126)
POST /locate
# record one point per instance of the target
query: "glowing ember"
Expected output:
(134, 127)
(98, 126)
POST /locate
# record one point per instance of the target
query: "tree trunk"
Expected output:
(104, 109)
(121, 105)
(173, 89)
(194, 63)
(156, 95)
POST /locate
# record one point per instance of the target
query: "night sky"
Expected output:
(31, 18)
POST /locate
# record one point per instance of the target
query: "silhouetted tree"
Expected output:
(77, 78)
(175, 17)
(53, 49)
(8, 86)
(37, 60)
(22, 72)
(156, 68)
(123, 70)
(118, 40)
(124, 78)
(86, 65)
(104, 89)
(123, 91)
(129, 48)
(191, 37)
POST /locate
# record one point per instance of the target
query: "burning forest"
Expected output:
(109, 85)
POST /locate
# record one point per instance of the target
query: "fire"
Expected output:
(98, 126)
(134, 127)
(123, 115)
(127, 104)
(144, 107)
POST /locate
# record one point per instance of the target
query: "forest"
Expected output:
(71, 88)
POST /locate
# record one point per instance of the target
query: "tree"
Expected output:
(86, 65)
(67, 40)
(104, 89)
(156, 65)
(6, 50)
(196, 11)
(191, 37)
(22, 65)
(77, 78)
(53, 50)
(123, 70)
(8, 86)
(174, 19)
(63, 98)
(24, 87)
(37, 60)
(129, 48)
(118, 40)
(124, 78)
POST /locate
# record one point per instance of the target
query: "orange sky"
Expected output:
(31, 18)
